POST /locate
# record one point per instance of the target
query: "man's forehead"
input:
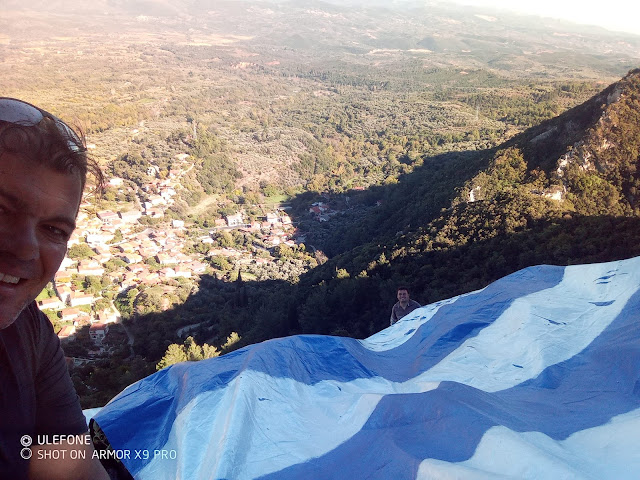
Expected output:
(23, 178)
(25, 160)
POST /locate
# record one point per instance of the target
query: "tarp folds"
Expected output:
(535, 376)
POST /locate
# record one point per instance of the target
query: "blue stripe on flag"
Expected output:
(447, 424)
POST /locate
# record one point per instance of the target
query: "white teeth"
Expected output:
(9, 278)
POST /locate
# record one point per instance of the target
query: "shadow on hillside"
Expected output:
(325, 302)
(380, 213)
(376, 243)
(352, 293)
(266, 309)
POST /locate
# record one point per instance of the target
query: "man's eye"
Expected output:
(57, 232)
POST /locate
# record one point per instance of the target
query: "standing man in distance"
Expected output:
(43, 169)
(404, 305)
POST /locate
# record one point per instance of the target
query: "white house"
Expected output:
(97, 332)
(53, 303)
(98, 238)
(234, 220)
(80, 298)
(68, 331)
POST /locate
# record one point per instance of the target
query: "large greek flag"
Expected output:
(536, 376)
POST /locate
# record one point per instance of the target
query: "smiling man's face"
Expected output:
(38, 208)
(403, 296)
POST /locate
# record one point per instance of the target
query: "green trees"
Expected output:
(117, 236)
(206, 142)
(93, 284)
(220, 262)
(506, 173)
(529, 104)
(217, 173)
(151, 300)
(80, 251)
(115, 264)
(175, 354)
(98, 382)
(283, 251)
(592, 194)
(269, 189)
(131, 166)
(125, 300)
(189, 351)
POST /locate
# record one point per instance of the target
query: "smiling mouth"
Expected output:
(6, 278)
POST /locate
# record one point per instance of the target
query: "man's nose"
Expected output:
(22, 241)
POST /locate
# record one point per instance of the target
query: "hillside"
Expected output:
(523, 213)
(568, 198)
(306, 95)
(586, 158)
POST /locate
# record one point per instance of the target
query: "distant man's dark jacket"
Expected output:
(36, 393)
(397, 312)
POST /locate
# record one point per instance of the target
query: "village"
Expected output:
(115, 251)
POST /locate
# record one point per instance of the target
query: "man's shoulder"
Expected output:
(413, 303)
(30, 314)
(27, 338)
(31, 322)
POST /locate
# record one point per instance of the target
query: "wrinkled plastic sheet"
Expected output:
(535, 376)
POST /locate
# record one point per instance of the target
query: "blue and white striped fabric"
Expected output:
(535, 376)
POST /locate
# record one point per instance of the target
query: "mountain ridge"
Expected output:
(597, 137)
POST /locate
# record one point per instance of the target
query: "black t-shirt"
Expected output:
(36, 393)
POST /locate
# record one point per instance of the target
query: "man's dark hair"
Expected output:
(402, 287)
(46, 143)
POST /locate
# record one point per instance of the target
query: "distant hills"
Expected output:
(336, 30)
